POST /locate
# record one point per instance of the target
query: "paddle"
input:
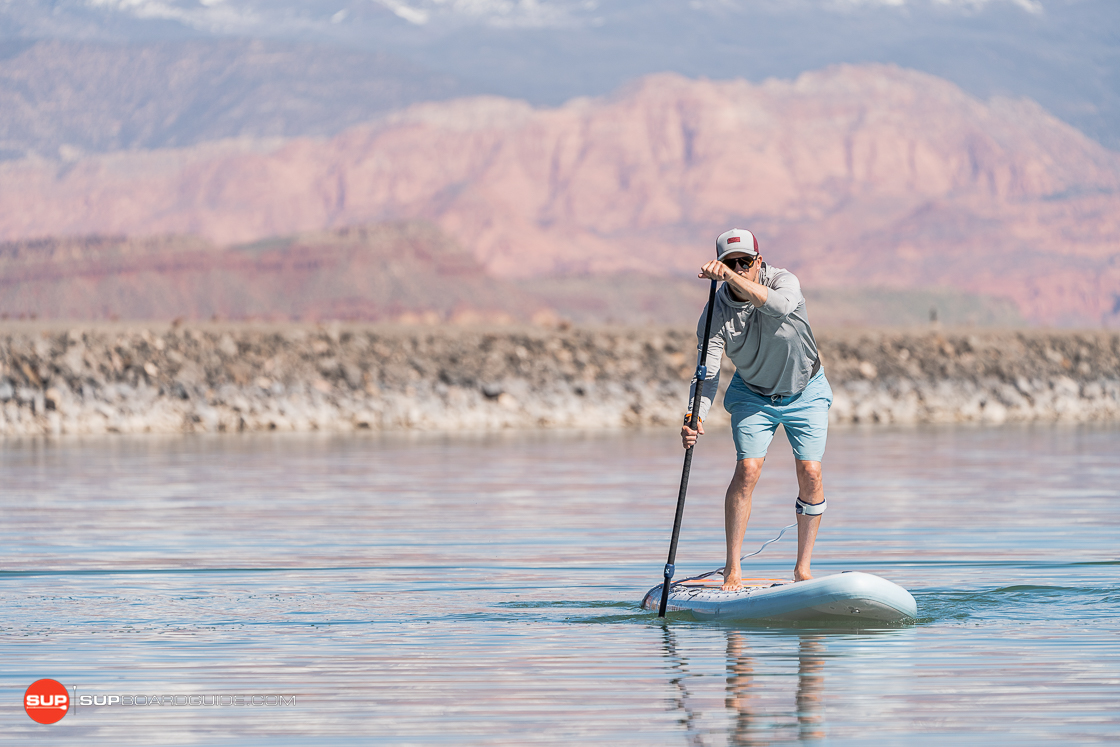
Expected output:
(701, 375)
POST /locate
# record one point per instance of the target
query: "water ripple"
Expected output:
(485, 590)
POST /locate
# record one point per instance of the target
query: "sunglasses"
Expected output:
(746, 262)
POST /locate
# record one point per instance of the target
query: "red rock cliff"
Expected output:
(853, 177)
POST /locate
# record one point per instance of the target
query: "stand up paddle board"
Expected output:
(850, 595)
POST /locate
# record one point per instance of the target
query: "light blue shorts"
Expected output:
(754, 418)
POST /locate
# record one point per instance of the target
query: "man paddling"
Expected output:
(759, 321)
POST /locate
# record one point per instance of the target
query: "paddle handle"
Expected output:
(701, 375)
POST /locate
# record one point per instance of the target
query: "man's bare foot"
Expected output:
(802, 575)
(732, 581)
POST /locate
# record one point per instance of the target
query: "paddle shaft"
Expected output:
(701, 375)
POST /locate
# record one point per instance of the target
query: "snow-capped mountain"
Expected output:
(1061, 53)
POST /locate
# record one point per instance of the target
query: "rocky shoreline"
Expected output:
(129, 378)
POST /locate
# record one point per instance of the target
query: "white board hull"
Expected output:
(850, 596)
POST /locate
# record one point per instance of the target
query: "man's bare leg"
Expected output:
(810, 483)
(736, 513)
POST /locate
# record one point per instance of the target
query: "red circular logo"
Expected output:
(46, 701)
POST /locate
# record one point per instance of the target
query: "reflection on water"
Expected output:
(680, 675)
(810, 680)
(760, 709)
(421, 590)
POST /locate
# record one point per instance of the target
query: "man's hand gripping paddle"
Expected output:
(701, 375)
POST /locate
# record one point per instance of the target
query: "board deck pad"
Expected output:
(850, 595)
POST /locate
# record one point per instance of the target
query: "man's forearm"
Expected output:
(742, 288)
(748, 289)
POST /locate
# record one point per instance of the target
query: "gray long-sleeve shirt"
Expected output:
(772, 346)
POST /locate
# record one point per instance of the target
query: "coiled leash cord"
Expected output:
(722, 569)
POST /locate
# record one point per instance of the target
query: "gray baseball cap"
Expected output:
(737, 240)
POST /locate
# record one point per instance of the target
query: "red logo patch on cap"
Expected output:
(733, 240)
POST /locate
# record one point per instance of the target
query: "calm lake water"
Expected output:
(484, 590)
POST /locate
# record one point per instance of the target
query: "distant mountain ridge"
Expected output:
(378, 273)
(395, 272)
(853, 177)
(1060, 53)
(398, 272)
(61, 98)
